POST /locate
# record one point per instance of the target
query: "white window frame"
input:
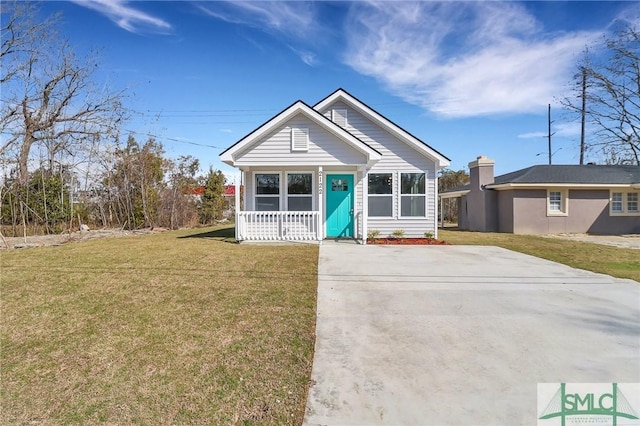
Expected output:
(255, 189)
(313, 189)
(340, 113)
(400, 194)
(304, 147)
(392, 195)
(564, 202)
(625, 203)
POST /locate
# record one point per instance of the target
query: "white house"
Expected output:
(335, 170)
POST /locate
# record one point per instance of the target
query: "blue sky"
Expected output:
(468, 78)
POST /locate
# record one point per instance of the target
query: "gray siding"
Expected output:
(397, 157)
(324, 148)
(505, 211)
(588, 213)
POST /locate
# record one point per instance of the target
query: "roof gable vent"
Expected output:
(339, 116)
(299, 139)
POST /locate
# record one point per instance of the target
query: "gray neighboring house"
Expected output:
(550, 199)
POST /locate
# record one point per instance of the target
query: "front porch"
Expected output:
(278, 226)
(306, 203)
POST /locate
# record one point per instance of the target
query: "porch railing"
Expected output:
(278, 226)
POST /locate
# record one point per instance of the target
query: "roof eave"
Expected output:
(542, 185)
(454, 194)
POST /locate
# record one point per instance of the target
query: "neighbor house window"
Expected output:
(267, 192)
(624, 203)
(556, 202)
(299, 139)
(632, 202)
(616, 202)
(380, 195)
(299, 192)
(413, 196)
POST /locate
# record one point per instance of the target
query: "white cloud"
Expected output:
(296, 20)
(462, 59)
(532, 135)
(125, 16)
(560, 129)
(292, 18)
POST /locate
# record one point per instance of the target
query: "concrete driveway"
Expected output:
(461, 335)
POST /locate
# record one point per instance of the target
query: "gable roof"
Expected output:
(299, 107)
(385, 123)
(562, 175)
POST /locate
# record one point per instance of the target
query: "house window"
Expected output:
(299, 139)
(413, 196)
(380, 195)
(339, 116)
(267, 192)
(632, 202)
(624, 203)
(299, 192)
(556, 202)
(616, 202)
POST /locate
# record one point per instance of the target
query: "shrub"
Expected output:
(398, 233)
(373, 233)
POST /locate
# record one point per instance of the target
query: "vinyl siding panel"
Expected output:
(324, 148)
(397, 157)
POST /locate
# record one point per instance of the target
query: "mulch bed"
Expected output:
(407, 241)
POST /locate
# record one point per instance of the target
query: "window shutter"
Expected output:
(299, 139)
(340, 117)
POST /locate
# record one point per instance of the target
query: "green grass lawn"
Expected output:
(614, 261)
(173, 328)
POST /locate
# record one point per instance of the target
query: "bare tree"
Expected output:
(49, 95)
(609, 97)
(451, 179)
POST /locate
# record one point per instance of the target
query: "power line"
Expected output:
(151, 135)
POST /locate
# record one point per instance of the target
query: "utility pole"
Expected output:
(583, 112)
(549, 134)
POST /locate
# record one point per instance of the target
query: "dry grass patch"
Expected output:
(614, 261)
(173, 328)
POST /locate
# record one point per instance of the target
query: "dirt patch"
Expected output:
(631, 241)
(407, 241)
(59, 239)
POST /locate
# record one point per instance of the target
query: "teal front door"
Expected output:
(340, 202)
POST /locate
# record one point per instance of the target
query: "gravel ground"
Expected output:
(631, 241)
(59, 239)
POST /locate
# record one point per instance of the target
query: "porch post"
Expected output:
(320, 231)
(237, 202)
(365, 204)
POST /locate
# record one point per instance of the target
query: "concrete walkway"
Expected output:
(461, 335)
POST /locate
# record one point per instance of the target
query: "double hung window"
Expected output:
(299, 192)
(557, 202)
(267, 191)
(413, 196)
(380, 194)
(624, 203)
